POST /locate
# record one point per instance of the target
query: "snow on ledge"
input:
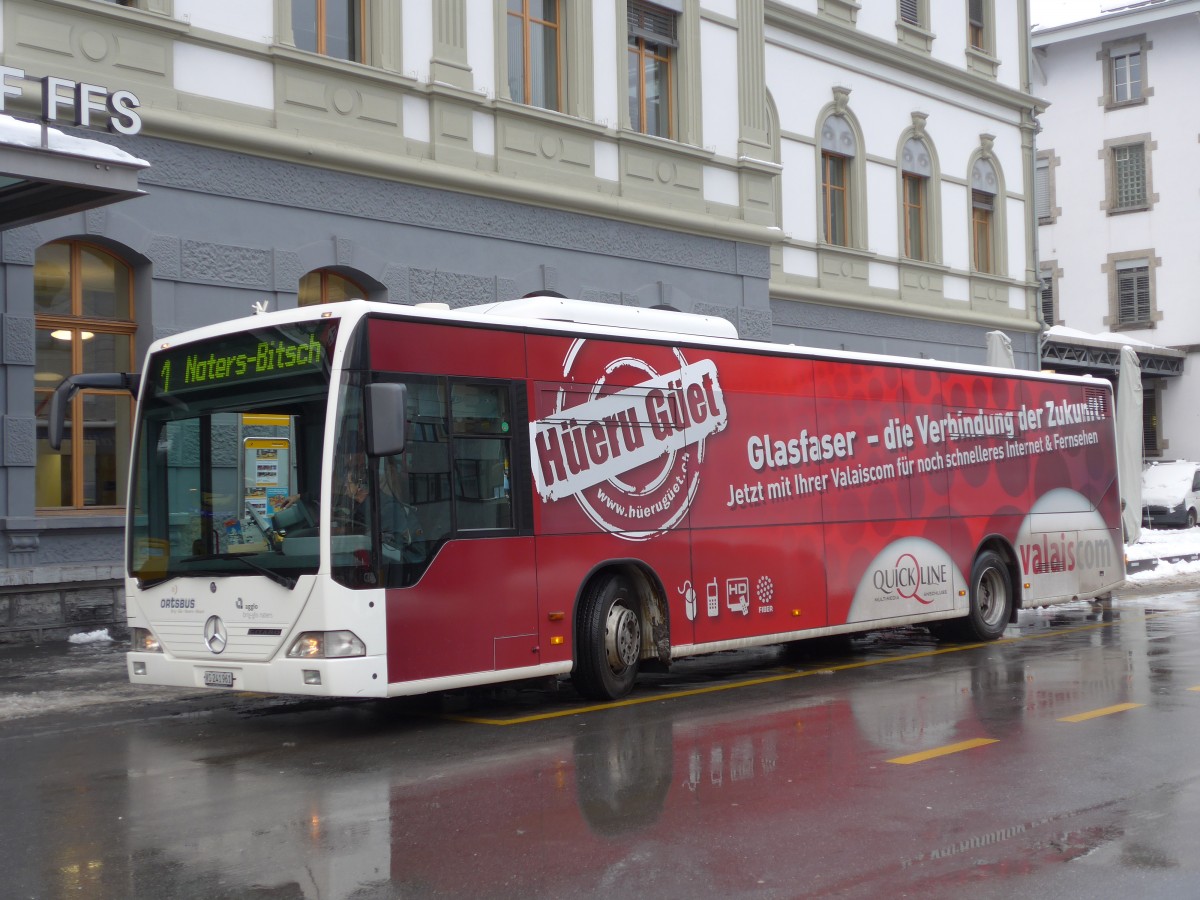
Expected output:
(19, 133)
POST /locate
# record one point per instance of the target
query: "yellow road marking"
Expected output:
(771, 679)
(1096, 713)
(942, 751)
(1196, 688)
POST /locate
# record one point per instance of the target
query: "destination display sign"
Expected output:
(254, 356)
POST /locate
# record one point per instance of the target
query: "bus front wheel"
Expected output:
(991, 598)
(609, 640)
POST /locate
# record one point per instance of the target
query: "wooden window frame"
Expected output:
(526, 20)
(360, 50)
(639, 48)
(909, 181)
(981, 38)
(835, 195)
(323, 289)
(977, 30)
(983, 232)
(79, 325)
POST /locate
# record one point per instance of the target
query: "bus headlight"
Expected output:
(327, 645)
(142, 641)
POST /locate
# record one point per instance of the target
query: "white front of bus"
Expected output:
(246, 570)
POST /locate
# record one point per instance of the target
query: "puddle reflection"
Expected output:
(684, 795)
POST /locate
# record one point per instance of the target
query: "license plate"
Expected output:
(218, 679)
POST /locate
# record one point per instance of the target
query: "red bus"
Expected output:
(371, 500)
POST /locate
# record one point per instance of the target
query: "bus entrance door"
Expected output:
(474, 610)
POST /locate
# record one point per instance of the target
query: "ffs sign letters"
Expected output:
(77, 103)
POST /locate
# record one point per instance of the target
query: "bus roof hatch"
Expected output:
(585, 312)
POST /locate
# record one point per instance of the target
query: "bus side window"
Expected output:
(482, 427)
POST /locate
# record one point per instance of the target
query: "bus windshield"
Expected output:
(229, 444)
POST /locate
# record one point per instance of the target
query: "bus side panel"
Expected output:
(983, 478)
(474, 610)
(609, 450)
(406, 346)
(1080, 454)
(1071, 542)
(928, 479)
(885, 570)
(748, 480)
(565, 562)
(758, 580)
(860, 435)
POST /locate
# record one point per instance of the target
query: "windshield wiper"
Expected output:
(288, 581)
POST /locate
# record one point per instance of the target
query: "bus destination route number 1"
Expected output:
(227, 363)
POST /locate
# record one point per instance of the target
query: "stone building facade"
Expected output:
(822, 172)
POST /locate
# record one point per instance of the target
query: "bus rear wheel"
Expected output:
(608, 648)
(991, 598)
(990, 605)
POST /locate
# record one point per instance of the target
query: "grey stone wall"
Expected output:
(33, 609)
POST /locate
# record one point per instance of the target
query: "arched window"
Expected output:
(327, 286)
(916, 174)
(838, 149)
(83, 302)
(985, 186)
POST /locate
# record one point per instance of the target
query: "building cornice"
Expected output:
(176, 125)
(896, 56)
(960, 315)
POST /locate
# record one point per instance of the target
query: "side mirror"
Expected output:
(387, 406)
(61, 398)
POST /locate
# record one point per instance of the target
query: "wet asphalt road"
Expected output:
(1059, 762)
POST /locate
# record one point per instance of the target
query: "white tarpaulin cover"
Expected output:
(1129, 442)
(999, 350)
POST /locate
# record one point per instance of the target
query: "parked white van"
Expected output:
(1171, 494)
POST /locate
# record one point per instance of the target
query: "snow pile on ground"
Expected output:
(1157, 543)
(90, 637)
(40, 703)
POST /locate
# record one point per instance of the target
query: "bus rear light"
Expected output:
(327, 645)
(143, 641)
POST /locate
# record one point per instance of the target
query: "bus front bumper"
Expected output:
(347, 677)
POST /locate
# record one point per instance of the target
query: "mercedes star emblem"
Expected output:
(215, 636)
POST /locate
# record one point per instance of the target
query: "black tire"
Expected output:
(991, 600)
(1191, 519)
(608, 641)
